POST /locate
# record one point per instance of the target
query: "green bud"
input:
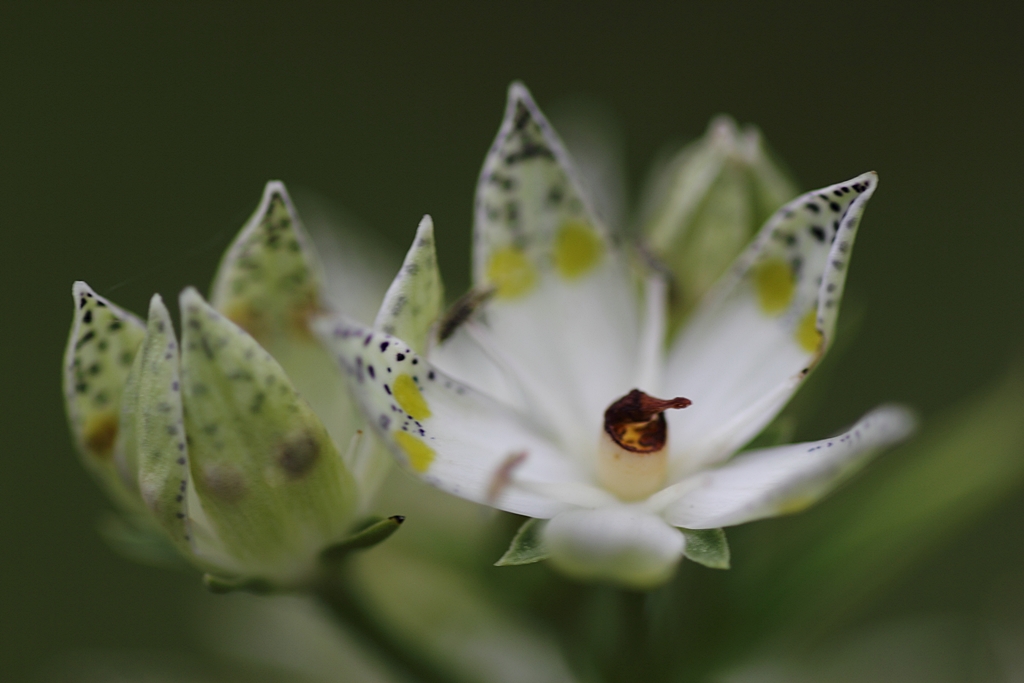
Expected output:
(268, 477)
(706, 204)
(211, 445)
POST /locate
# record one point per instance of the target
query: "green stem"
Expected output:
(405, 659)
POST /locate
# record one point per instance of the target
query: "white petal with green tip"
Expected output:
(555, 277)
(158, 427)
(785, 479)
(623, 544)
(453, 437)
(764, 326)
(415, 299)
(101, 348)
(271, 482)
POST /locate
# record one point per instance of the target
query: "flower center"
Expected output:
(632, 460)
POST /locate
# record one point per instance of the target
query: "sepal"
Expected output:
(708, 547)
(527, 545)
(377, 531)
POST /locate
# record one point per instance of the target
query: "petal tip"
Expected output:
(425, 227)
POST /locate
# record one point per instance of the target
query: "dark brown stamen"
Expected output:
(636, 422)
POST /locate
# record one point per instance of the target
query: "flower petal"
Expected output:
(415, 299)
(450, 435)
(556, 279)
(269, 478)
(158, 428)
(269, 280)
(270, 283)
(620, 544)
(103, 342)
(782, 480)
(765, 325)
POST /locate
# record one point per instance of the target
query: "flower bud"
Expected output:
(219, 444)
(705, 205)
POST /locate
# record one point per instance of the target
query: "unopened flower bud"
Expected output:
(707, 203)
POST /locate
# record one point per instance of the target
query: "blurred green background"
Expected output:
(135, 140)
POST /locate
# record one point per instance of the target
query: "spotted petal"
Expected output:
(777, 481)
(555, 278)
(270, 283)
(415, 299)
(103, 342)
(765, 325)
(270, 479)
(450, 435)
(269, 279)
(158, 428)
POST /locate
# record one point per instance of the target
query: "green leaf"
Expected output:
(708, 547)
(416, 297)
(376, 532)
(527, 545)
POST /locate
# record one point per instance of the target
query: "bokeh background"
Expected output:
(135, 140)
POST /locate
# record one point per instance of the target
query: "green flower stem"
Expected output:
(337, 593)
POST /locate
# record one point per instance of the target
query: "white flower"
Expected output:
(525, 399)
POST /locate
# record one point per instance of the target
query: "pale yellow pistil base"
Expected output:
(630, 476)
(632, 460)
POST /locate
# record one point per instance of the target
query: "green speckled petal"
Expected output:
(269, 478)
(269, 280)
(270, 284)
(158, 427)
(98, 359)
(416, 297)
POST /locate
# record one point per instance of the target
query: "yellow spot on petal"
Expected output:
(99, 433)
(511, 272)
(795, 504)
(420, 454)
(807, 334)
(775, 284)
(578, 248)
(409, 397)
